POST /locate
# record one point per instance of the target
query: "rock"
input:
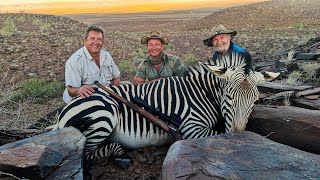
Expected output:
(293, 126)
(145, 176)
(138, 171)
(30, 158)
(307, 103)
(313, 91)
(32, 75)
(243, 155)
(312, 97)
(277, 87)
(52, 155)
(142, 159)
(293, 66)
(263, 66)
(96, 171)
(14, 66)
(10, 49)
(308, 56)
(279, 64)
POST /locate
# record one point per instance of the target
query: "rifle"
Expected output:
(154, 120)
(173, 119)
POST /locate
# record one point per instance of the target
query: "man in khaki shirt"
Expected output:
(90, 63)
(158, 64)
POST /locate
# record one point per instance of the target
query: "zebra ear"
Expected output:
(270, 75)
(266, 76)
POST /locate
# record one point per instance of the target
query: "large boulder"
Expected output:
(243, 155)
(293, 126)
(52, 155)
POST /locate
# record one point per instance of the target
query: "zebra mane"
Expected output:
(230, 61)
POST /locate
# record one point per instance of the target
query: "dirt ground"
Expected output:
(264, 29)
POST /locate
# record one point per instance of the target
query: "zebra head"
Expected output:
(239, 92)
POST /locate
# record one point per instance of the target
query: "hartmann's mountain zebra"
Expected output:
(209, 101)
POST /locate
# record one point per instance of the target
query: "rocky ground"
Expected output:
(41, 44)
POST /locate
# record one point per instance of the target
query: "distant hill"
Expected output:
(265, 28)
(268, 14)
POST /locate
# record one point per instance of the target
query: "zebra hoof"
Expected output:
(123, 163)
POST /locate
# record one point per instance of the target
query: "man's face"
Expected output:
(155, 47)
(93, 42)
(221, 42)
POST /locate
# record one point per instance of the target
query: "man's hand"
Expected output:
(85, 91)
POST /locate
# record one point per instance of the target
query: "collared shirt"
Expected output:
(171, 66)
(81, 69)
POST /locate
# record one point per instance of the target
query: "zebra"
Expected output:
(210, 100)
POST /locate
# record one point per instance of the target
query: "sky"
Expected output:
(108, 6)
(11, 2)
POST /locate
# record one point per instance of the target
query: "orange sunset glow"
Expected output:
(109, 6)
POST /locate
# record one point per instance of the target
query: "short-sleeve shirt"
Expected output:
(171, 66)
(81, 69)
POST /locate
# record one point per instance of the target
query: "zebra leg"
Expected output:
(106, 149)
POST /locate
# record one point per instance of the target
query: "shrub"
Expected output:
(309, 74)
(295, 78)
(38, 90)
(127, 66)
(43, 26)
(291, 54)
(139, 53)
(170, 46)
(298, 26)
(310, 71)
(189, 59)
(8, 28)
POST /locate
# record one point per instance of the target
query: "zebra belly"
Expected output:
(135, 141)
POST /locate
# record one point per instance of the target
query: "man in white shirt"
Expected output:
(88, 64)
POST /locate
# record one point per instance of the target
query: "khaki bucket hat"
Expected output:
(218, 29)
(154, 35)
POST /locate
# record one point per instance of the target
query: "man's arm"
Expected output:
(140, 74)
(83, 91)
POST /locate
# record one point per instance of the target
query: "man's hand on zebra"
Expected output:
(83, 91)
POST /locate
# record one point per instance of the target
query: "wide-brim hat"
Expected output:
(218, 29)
(154, 35)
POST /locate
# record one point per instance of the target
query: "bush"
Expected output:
(189, 59)
(38, 90)
(309, 74)
(139, 53)
(43, 26)
(127, 66)
(8, 28)
(170, 46)
(295, 78)
(310, 71)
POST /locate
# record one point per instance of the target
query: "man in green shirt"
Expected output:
(158, 64)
